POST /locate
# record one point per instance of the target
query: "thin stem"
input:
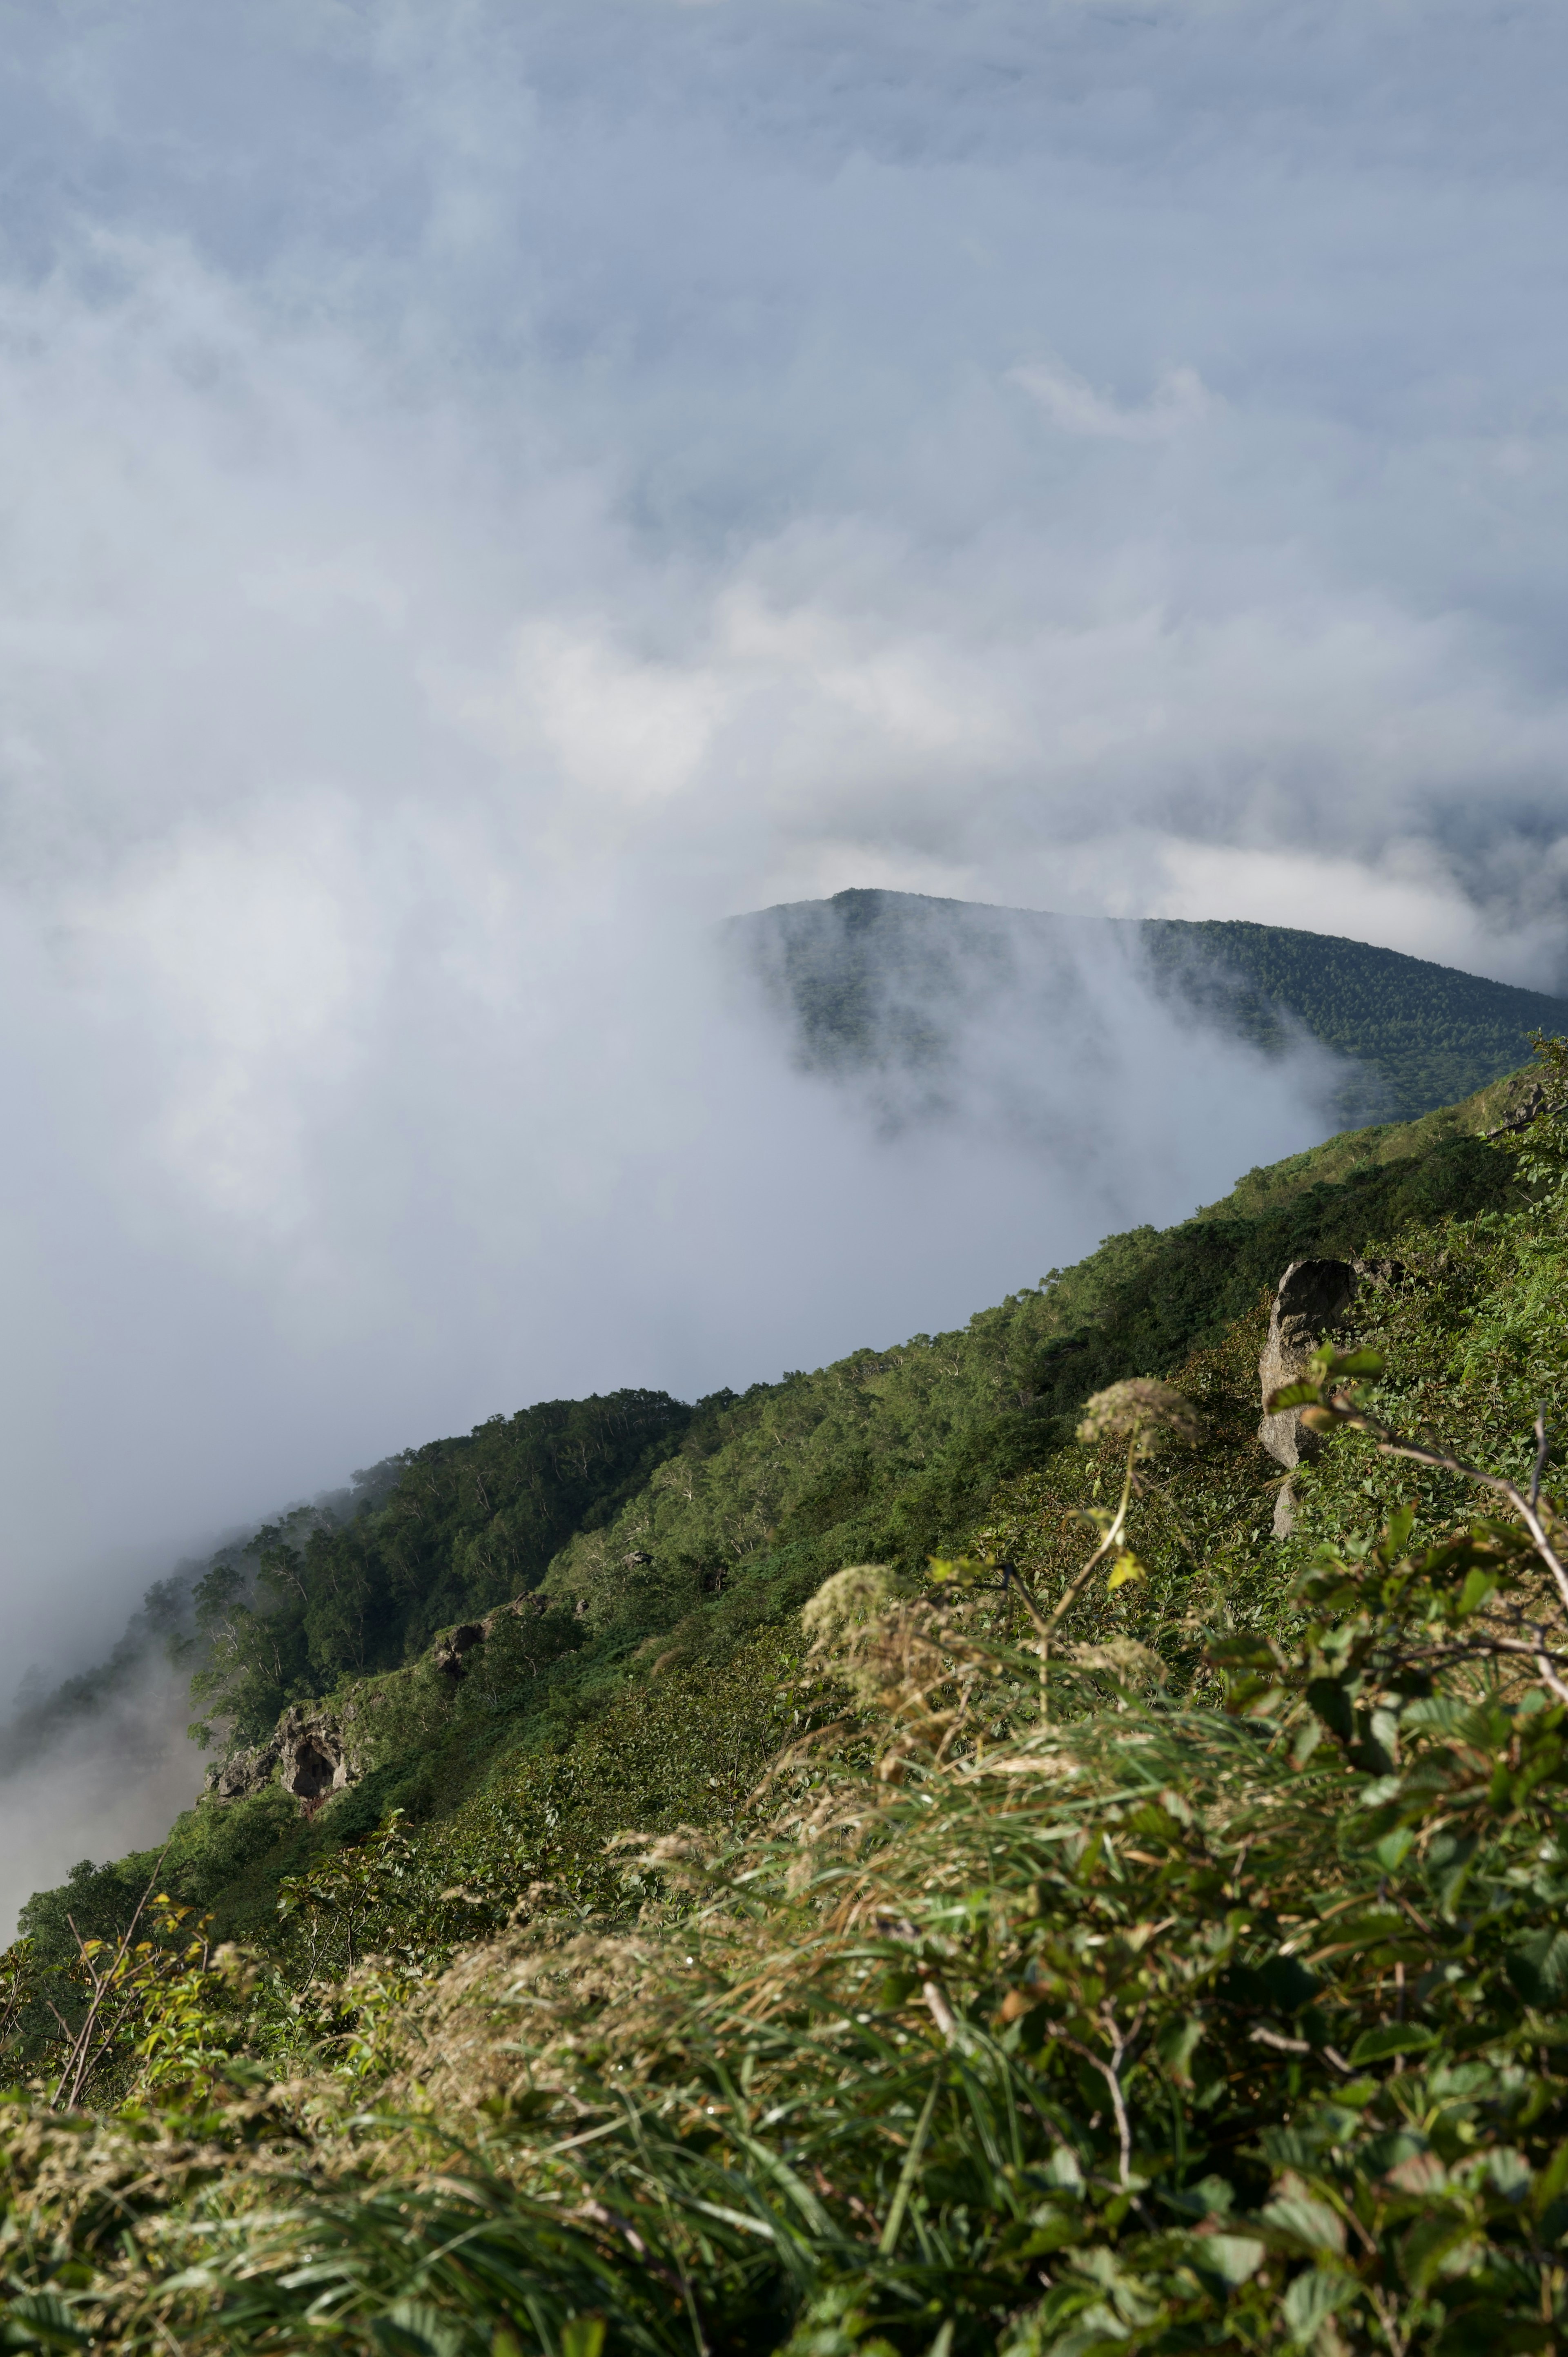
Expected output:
(1527, 1508)
(907, 2175)
(1047, 1625)
(84, 2053)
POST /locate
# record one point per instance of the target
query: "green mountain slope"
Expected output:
(694, 1531)
(869, 978)
(846, 1983)
(461, 1526)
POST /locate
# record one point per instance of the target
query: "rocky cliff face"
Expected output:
(314, 1753)
(1313, 1305)
(1313, 1299)
(311, 1754)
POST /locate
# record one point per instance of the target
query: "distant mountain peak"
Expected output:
(874, 978)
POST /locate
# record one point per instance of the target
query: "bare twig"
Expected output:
(1527, 1507)
(1047, 1625)
(90, 2042)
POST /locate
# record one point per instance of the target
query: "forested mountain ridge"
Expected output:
(648, 1530)
(459, 1526)
(642, 1510)
(679, 1968)
(866, 974)
(872, 978)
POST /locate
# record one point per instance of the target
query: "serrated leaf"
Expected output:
(1297, 2213)
(45, 2319)
(412, 2328)
(1312, 2300)
(1237, 2257)
(1432, 2246)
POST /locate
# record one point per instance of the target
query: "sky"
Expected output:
(487, 492)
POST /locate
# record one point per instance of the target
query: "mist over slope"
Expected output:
(1018, 1065)
(636, 1529)
(657, 1956)
(894, 985)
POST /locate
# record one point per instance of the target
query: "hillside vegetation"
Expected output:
(915, 1970)
(870, 979)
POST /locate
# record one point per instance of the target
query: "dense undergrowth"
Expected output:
(844, 1981)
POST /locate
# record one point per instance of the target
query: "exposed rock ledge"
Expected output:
(1311, 1304)
(312, 1753)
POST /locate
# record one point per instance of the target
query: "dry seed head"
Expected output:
(1123, 1658)
(856, 1593)
(1141, 1409)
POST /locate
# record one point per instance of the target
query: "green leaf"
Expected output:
(1298, 1394)
(46, 2319)
(1399, 2038)
(1176, 2044)
(1298, 2213)
(1356, 1363)
(1478, 1586)
(1539, 1969)
(1431, 2243)
(1550, 2180)
(412, 2328)
(1246, 1651)
(1328, 1699)
(1236, 2257)
(1253, 1695)
(1126, 1568)
(1312, 2300)
(584, 2337)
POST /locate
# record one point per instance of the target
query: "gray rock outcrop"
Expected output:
(448, 1651)
(244, 1772)
(1309, 1308)
(316, 1757)
(311, 1754)
(448, 1654)
(1312, 1301)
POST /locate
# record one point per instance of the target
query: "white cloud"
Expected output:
(1179, 401)
(484, 492)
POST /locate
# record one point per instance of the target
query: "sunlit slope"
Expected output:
(504, 1953)
(733, 1516)
(871, 978)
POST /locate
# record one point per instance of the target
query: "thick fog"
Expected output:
(486, 493)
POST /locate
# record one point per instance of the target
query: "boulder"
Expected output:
(448, 1654)
(314, 1759)
(308, 1755)
(1310, 1305)
(1532, 1107)
(244, 1772)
